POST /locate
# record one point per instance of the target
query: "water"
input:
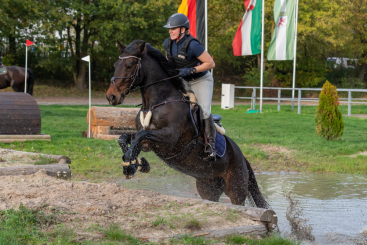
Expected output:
(335, 205)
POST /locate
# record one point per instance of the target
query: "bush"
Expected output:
(329, 120)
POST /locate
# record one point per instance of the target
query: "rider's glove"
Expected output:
(183, 72)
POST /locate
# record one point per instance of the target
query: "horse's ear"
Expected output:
(121, 47)
(142, 46)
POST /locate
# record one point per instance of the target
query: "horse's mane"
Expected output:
(166, 66)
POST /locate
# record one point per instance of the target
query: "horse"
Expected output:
(171, 133)
(15, 79)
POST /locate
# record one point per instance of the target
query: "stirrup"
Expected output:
(212, 155)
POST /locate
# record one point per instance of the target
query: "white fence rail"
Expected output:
(228, 96)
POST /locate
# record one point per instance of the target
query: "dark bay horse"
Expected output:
(15, 79)
(171, 133)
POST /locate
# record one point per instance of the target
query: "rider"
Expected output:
(189, 56)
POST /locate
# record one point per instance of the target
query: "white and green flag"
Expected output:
(282, 42)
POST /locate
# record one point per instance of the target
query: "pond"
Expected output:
(333, 204)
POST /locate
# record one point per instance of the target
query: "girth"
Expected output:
(189, 147)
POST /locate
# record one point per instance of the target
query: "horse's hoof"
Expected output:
(145, 167)
(129, 171)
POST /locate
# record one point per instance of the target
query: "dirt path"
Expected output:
(144, 214)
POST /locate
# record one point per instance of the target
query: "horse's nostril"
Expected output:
(112, 97)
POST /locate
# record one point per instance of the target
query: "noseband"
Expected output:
(133, 76)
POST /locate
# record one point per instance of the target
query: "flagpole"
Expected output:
(262, 57)
(295, 56)
(90, 98)
(206, 25)
(25, 78)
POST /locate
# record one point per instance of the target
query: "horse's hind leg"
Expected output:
(236, 182)
(210, 189)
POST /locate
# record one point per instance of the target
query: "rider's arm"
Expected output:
(196, 50)
(208, 62)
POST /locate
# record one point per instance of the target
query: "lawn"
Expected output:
(271, 141)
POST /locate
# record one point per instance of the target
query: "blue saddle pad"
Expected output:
(220, 145)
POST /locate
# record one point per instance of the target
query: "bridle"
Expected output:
(133, 76)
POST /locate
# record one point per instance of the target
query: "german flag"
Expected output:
(195, 11)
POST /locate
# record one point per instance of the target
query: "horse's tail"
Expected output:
(254, 190)
(30, 82)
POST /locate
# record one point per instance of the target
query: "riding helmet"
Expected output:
(178, 20)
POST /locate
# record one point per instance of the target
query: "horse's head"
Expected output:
(127, 69)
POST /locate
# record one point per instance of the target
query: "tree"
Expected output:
(329, 120)
(354, 20)
(20, 19)
(88, 24)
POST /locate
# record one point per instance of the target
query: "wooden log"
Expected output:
(19, 114)
(5, 138)
(267, 216)
(58, 158)
(106, 137)
(56, 170)
(219, 233)
(100, 130)
(123, 118)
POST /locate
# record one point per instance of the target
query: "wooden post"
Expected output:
(55, 170)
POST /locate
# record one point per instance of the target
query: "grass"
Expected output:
(99, 160)
(274, 239)
(27, 226)
(296, 132)
(41, 160)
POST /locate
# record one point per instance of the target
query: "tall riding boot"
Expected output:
(210, 132)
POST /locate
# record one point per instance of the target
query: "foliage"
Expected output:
(329, 120)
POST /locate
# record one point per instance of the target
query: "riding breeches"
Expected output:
(203, 90)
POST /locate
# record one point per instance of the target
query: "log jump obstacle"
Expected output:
(20, 118)
(108, 123)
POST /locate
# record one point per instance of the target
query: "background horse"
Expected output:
(171, 133)
(15, 79)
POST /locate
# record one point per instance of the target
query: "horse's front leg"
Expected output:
(153, 136)
(130, 169)
(125, 141)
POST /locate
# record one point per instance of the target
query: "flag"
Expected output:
(195, 12)
(247, 40)
(86, 58)
(29, 43)
(282, 42)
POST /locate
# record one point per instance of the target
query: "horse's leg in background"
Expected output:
(4, 81)
(210, 189)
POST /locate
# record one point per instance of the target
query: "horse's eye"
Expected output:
(129, 67)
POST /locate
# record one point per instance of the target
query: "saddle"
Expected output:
(3, 70)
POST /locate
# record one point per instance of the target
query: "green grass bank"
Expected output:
(271, 141)
(28, 226)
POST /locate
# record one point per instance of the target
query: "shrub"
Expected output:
(329, 120)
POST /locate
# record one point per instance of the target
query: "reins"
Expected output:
(133, 76)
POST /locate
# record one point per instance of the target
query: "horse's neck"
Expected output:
(157, 93)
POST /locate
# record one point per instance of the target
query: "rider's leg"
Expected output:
(203, 89)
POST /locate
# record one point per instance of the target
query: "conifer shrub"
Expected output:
(329, 120)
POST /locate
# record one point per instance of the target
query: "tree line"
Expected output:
(64, 31)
